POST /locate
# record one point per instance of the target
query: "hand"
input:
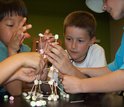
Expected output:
(59, 58)
(45, 40)
(44, 74)
(43, 71)
(31, 59)
(24, 74)
(39, 63)
(48, 36)
(18, 37)
(71, 84)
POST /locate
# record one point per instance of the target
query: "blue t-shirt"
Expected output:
(4, 55)
(118, 62)
(4, 50)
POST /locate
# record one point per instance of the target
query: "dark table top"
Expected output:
(90, 100)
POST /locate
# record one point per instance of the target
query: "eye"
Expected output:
(67, 38)
(81, 41)
(10, 25)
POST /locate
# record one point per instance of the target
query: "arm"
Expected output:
(106, 83)
(11, 86)
(93, 72)
(14, 46)
(11, 64)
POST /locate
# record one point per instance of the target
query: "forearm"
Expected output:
(94, 72)
(106, 83)
(9, 66)
(14, 87)
(72, 70)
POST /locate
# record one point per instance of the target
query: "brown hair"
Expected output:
(81, 19)
(8, 7)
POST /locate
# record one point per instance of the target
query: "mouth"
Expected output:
(73, 52)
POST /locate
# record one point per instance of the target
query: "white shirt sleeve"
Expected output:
(96, 56)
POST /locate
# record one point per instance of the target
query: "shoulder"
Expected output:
(3, 48)
(96, 47)
(2, 44)
(25, 48)
(3, 51)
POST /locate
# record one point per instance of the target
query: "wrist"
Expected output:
(81, 86)
(11, 52)
(13, 77)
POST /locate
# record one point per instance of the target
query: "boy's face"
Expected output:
(77, 42)
(115, 8)
(8, 26)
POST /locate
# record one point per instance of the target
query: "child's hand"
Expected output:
(44, 73)
(24, 74)
(18, 37)
(31, 59)
(48, 36)
(71, 84)
(45, 40)
(59, 58)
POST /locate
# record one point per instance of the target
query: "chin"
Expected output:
(117, 16)
(74, 59)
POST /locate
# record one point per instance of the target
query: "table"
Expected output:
(99, 100)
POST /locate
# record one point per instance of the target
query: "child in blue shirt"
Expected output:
(13, 28)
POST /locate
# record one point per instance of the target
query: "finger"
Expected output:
(21, 39)
(22, 35)
(47, 31)
(26, 27)
(53, 61)
(58, 47)
(29, 78)
(22, 22)
(53, 58)
(61, 75)
(49, 38)
(28, 70)
(64, 79)
(27, 35)
(58, 51)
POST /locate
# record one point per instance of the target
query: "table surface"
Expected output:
(99, 100)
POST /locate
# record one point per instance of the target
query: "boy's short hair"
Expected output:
(81, 19)
(10, 7)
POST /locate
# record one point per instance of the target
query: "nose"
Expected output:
(74, 44)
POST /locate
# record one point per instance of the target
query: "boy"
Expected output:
(113, 80)
(79, 34)
(13, 28)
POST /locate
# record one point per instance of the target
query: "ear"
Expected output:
(93, 40)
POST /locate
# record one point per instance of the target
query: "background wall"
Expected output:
(50, 14)
(116, 31)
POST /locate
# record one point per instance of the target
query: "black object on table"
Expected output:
(90, 100)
